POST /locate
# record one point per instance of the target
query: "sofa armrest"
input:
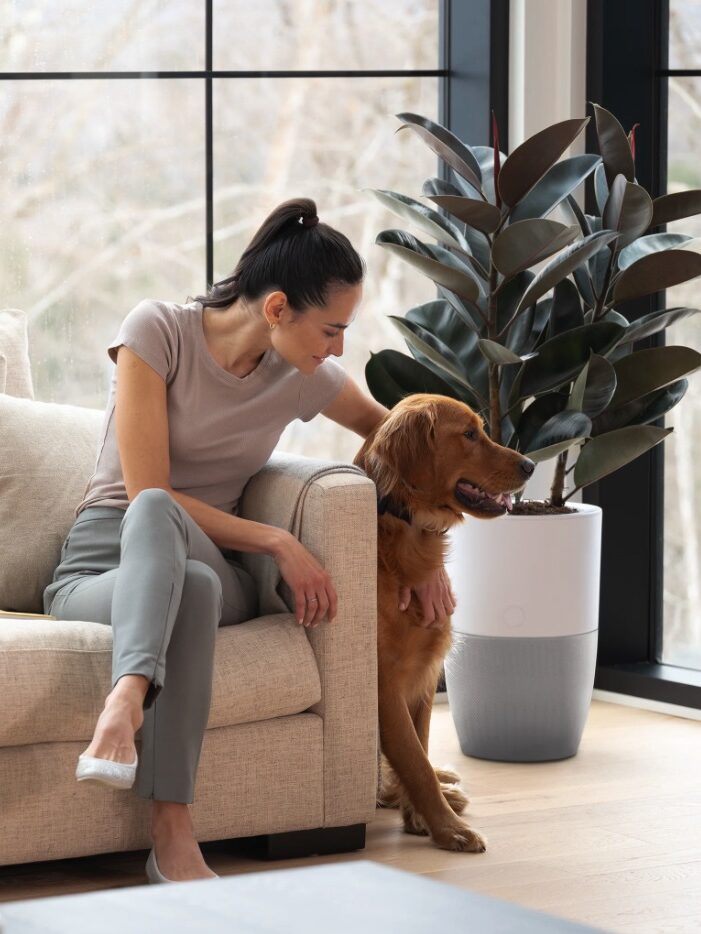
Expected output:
(338, 525)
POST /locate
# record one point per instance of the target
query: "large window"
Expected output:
(650, 631)
(142, 144)
(681, 644)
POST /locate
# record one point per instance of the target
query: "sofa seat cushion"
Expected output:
(55, 675)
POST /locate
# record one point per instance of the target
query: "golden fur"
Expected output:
(417, 454)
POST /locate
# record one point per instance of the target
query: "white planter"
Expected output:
(521, 670)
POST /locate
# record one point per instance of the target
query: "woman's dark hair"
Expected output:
(304, 262)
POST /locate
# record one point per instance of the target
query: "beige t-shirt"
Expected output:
(223, 428)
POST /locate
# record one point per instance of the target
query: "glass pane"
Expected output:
(305, 35)
(685, 33)
(102, 35)
(326, 139)
(682, 465)
(103, 194)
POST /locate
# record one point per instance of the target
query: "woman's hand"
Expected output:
(436, 597)
(313, 591)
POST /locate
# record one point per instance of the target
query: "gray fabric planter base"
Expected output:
(516, 699)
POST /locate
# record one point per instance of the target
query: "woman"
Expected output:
(200, 395)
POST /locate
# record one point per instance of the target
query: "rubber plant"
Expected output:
(546, 358)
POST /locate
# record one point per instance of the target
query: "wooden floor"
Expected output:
(610, 837)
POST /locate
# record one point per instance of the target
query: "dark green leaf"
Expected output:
(444, 359)
(653, 243)
(563, 264)
(562, 357)
(577, 214)
(497, 353)
(479, 214)
(643, 371)
(449, 272)
(628, 210)
(656, 272)
(654, 322)
(430, 221)
(535, 415)
(446, 145)
(601, 188)
(604, 454)
(600, 385)
(529, 162)
(557, 183)
(613, 146)
(527, 243)
(566, 310)
(391, 376)
(674, 207)
(563, 426)
(640, 411)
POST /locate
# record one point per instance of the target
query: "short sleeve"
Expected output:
(320, 388)
(149, 330)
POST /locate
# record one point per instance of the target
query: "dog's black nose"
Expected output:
(527, 466)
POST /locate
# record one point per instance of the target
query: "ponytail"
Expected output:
(292, 251)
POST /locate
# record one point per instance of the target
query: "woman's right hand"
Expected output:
(307, 580)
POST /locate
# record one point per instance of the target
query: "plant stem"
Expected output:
(601, 301)
(575, 490)
(558, 485)
(494, 412)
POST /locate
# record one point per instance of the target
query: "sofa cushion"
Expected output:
(55, 675)
(47, 454)
(14, 348)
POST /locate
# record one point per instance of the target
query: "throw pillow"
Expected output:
(48, 453)
(14, 347)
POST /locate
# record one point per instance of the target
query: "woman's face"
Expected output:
(305, 340)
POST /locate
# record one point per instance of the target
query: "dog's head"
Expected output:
(432, 455)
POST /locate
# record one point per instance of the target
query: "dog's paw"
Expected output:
(459, 838)
(388, 800)
(455, 797)
(413, 822)
(448, 775)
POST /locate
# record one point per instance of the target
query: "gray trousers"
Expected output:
(164, 586)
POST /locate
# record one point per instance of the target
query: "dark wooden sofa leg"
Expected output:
(297, 843)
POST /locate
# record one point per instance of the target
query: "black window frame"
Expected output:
(627, 71)
(209, 75)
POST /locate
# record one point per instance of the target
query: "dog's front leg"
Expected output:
(405, 753)
(448, 779)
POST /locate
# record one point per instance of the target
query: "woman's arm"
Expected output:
(354, 409)
(141, 416)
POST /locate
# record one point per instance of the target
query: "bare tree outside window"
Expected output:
(103, 178)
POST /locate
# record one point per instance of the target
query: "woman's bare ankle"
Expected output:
(129, 692)
(170, 818)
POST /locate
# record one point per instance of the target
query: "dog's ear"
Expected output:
(360, 459)
(399, 450)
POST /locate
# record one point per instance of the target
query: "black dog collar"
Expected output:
(387, 504)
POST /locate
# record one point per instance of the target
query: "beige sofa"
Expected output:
(290, 756)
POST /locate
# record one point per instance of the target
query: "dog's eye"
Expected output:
(471, 434)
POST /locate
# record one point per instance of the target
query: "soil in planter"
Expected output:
(538, 507)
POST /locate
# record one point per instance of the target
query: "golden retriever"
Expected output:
(432, 463)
